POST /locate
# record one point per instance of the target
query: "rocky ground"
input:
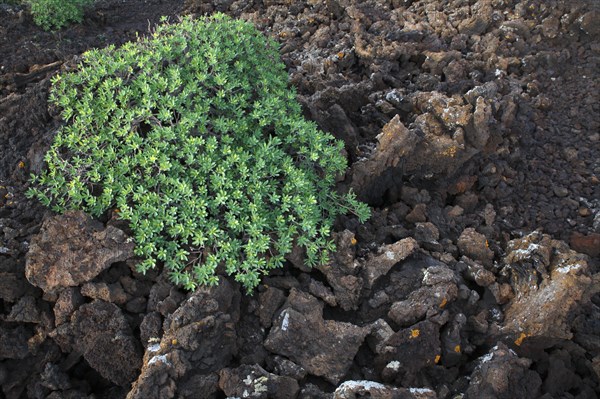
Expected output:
(472, 128)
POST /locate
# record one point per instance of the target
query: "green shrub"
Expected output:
(55, 14)
(194, 136)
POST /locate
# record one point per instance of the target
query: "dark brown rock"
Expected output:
(410, 350)
(25, 311)
(341, 272)
(99, 331)
(199, 336)
(502, 374)
(586, 244)
(372, 389)
(269, 301)
(589, 22)
(287, 368)
(388, 255)
(68, 301)
(12, 286)
(200, 386)
(475, 245)
(136, 305)
(439, 290)
(324, 348)
(544, 307)
(112, 293)
(72, 249)
(478, 133)
(394, 143)
(477, 273)
(13, 342)
(253, 381)
(54, 378)
(323, 292)
(150, 328)
(418, 214)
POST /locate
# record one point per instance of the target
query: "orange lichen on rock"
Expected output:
(444, 302)
(521, 338)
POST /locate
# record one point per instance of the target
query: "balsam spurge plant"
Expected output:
(56, 14)
(195, 137)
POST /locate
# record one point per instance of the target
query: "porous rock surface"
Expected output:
(72, 249)
(324, 348)
(468, 126)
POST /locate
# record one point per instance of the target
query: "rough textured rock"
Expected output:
(475, 245)
(587, 244)
(200, 336)
(342, 272)
(502, 374)
(323, 348)
(25, 311)
(269, 301)
(199, 385)
(100, 332)
(557, 280)
(72, 249)
(512, 83)
(69, 299)
(13, 342)
(408, 351)
(12, 286)
(112, 293)
(254, 382)
(378, 266)
(477, 273)
(369, 177)
(371, 389)
(286, 368)
(438, 290)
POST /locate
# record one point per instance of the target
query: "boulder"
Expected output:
(72, 249)
(324, 348)
(556, 279)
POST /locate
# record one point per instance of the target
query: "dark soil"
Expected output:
(471, 127)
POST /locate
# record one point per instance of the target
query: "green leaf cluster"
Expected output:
(56, 14)
(195, 137)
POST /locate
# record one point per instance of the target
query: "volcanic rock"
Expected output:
(558, 278)
(324, 348)
(502, 374)
(72, 249)
(253, 381)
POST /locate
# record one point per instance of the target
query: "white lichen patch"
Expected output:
(258, 386)
(393, 365)
(360, 384)
(420, 390)
(154, 348)
(392, 96)
(524, 253)
(159, 358)
(286, 321)
(390, 255)
(568, 268)
(487, 358)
